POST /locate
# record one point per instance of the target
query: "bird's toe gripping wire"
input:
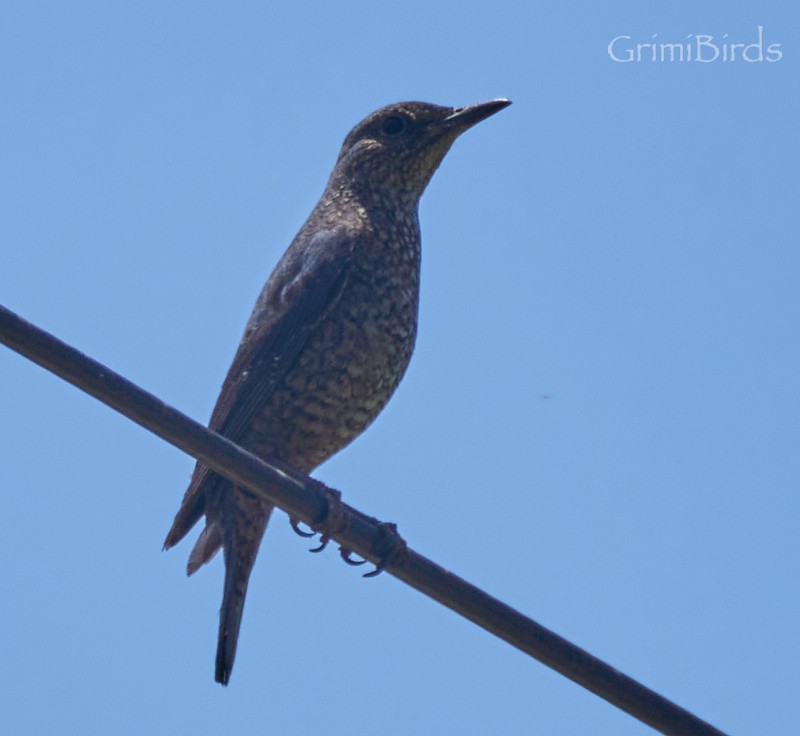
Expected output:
(328, 525)
(295, 523)
(347, 556)
(390, 549)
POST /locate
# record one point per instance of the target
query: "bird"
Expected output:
(329, 338)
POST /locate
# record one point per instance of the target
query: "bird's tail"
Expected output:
(240, 547)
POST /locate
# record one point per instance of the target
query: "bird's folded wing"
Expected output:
(297, 297)
(304, 287)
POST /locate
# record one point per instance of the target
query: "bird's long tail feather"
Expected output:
(230, 614)
(240, 547)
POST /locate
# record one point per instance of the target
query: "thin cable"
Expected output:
(308, 500)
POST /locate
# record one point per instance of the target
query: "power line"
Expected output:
(309, 500)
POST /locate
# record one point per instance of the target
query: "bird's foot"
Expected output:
(331, 522)
(390, 549)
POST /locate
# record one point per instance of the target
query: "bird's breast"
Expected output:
(350, 366)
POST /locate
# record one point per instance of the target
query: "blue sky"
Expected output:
(599, 426)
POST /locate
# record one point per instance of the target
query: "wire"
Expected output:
(310, 501)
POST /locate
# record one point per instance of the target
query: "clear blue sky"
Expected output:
(600, 424)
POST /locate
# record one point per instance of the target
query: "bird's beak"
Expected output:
(465, 117)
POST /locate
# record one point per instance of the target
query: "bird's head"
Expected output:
(395, 150)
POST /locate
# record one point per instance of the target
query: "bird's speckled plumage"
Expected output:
(330, 336)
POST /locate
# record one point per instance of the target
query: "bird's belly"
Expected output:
(340, 382)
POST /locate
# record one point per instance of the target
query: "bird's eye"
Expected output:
(393, 125)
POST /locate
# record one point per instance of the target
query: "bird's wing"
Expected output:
(305, 285)
(300, 293)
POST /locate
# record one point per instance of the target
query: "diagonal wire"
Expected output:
(308, 500)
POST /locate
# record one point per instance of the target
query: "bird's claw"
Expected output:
(295, 523)
(346, 555)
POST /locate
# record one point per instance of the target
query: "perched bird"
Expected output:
(330, 336)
